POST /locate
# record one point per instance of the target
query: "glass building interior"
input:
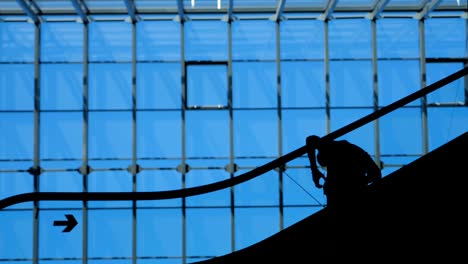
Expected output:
(146, 96)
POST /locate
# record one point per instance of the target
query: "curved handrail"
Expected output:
(160, 195)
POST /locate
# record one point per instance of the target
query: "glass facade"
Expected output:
(167, 102)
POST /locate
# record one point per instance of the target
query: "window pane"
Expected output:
(159, 233)
(260, 191)
(207, 85)
(254, 84)
(398, 79)
(62, 86)
(200, 177)
(256, 133)
(16, 86)
(446, 123)
(453, 92)
(13, 183)
(62, 42)
(110, 41)
(206, 40)
(350, 39)
(158, 86)
(253, 40)
(110, 225)
(351, 83)
(16, 141)
(302, 84)
(255, 224)
(16, 42)
(61, 135)
(401, 132)
(60, 181)
(158, 40)
(54, 244)
(445, 37)
(393, 40)
(208, 133)
(302, 39)
(17, 227)
(300, 190)
(213, 227)
(159, 134)
(110, 86)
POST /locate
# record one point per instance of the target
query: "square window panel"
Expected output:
(213, 227)
(62, 42)
(54, 242)
(302, 39)
(445, 37)
(159, 233)
(13, 183)
(17, 42)
(393, 40)
(254, 225)
(16, 141)
(206, 40)
(302, 84)
(158, 40)
(350, 39)
(260, 191)
(62, 86)
(452, 93)
(253, 40)
(206, 85)
(61, 135)
(110, 41)
(17, 227)
(254, 84)
(199, 177)
(16, 86)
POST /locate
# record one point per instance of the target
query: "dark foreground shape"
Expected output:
(417, 214)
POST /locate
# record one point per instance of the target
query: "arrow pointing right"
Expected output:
(70, 223)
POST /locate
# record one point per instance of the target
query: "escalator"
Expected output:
(416, 214)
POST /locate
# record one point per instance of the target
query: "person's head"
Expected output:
(312, 140)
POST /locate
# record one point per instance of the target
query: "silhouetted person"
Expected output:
(349, 169)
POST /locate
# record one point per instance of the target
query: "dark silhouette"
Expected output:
(350, 169)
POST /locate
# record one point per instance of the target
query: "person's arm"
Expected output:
(373, 171)
(311, 143)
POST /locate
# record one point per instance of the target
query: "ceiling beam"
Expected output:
(428, 8)
(329, 10)
(81, 10)
(28, 10)
(279, 10)
(130, 4)
(379, 7)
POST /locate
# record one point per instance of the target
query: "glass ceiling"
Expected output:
(134, 8)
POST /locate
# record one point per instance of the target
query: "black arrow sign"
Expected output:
(70, 223)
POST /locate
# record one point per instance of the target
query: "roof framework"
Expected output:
(181, 10)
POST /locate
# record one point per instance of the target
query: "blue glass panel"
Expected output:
(254, 225)
(16, 86)
(302, 39)
(110, 233)
(55, 243)
(158, 85)
(453, 92)
(208, 133)
(159, 134)
(207, 85)
(171, 260)
(110, 86)
(55, 262)
(294, 215)
(445, 124)
(254, 84)
(159, 232)
(16, 141)
(61, 86)
(398, 79)
(17, 42)
(445, 37)
(363, 136)
(401, 132)
(213, 227)
(13, 183)
(62, 41)
(351, 83)
(110, 134)
(158, 40)
(113, 177)
(159, 175)
(260, 191)
(393, 38)
(302, 84)
(206, 40)
(300, 190)
(60, 182)
(61, 135)
(253, 40)
(110, 41)
(350, 38)
(17, 227)
(298, 124)
(201, 177)
(256, 133)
